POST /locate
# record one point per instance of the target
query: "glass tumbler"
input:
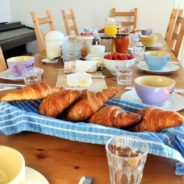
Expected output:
(126, 157)
(32, 75)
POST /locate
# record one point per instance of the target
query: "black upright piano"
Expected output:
(14, 37)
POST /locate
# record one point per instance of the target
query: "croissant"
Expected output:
(54, 104)
(35, 91)
(88, 104)
(114, 116)
(155, 120)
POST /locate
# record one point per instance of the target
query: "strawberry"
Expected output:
(131, 56)
(115, 56)
(123, 57)
(108, 56)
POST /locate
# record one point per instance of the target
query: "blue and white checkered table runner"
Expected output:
(21, 116)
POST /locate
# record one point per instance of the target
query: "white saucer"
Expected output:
(168, 68)
(156, 46)
(34, 177)
(8, 76)
(175, 102)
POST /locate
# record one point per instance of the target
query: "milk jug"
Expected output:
(54, 41)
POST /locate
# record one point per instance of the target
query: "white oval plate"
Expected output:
(168, 68)
(174, 103)
(34, 177)
(8, 76)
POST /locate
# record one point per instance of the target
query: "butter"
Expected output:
(79, 79)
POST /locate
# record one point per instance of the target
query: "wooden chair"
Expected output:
(67, 18)
(3, 65)
(178, 34)
(131, 16)
(171, 25)
(37, 22)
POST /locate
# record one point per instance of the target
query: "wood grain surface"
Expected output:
(65, 162)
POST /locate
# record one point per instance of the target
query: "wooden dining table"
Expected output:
(65, 162)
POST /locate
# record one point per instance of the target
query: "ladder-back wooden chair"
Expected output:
(131, 17)
(171, 25)
(178, 34)
(3, 65)
(37, 22)
(70, 22)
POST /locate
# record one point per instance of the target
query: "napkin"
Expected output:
(19, 116)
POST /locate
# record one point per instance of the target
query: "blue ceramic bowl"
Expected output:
(156, 60)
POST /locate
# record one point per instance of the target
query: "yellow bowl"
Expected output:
(12, 166)
(148, 40)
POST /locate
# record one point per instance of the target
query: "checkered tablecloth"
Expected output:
(21, 116)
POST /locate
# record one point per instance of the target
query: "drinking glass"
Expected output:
(126, 157)
(32, 75)
(138, 51)
(124, 73)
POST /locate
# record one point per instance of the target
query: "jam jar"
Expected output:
(122, 43)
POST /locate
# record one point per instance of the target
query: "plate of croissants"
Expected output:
(89, 106)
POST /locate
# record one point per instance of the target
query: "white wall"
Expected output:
(91, 13)
(5, 11)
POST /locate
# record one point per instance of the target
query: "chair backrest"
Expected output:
(3, 65)
(178, 34)
(70, 18)
(37, 22)
(171, 25)
(131, 16)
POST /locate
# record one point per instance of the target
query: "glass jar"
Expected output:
(122, 43)
(111, 27)
(107, 41)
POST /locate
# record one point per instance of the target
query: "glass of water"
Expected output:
(126, 157)
(32, 75)
(124, 73)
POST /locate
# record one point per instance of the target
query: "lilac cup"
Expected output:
(18, 64)
(154, 90)
(146, 31)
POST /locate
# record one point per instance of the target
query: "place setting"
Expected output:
(16, 66)
(150, 41)
(157, 62)
(155, 91)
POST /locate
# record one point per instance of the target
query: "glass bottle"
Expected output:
(110, 27)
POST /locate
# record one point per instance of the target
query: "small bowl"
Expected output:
(146, 32)
(18, 64)
(148, 40)
(154, 90)
(156, 60)
(111, 64)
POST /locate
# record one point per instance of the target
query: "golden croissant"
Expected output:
(114, 116)
(32, 92)
(88, 104)
(54, 104)
(155, 119)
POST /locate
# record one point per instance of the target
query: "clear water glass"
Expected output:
(32, 76)
(138, 51)
(71, 49)
(124, 73)
(126, 157)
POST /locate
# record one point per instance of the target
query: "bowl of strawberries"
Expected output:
(111, 60)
